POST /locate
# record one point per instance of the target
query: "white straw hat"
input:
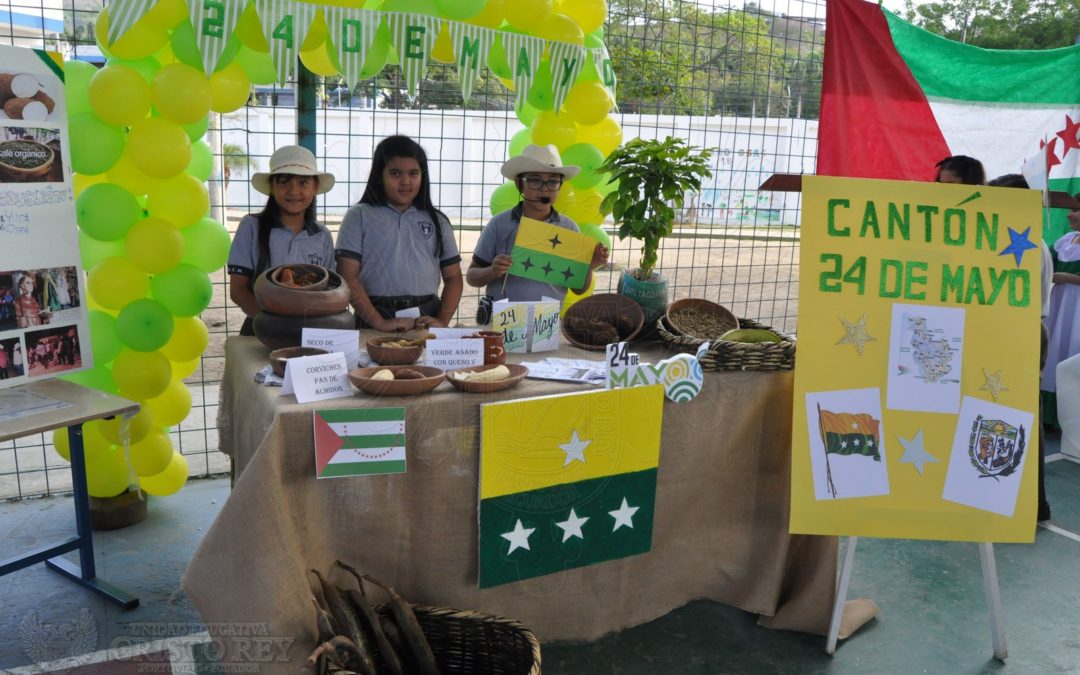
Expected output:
(538, 158)
(295, 160)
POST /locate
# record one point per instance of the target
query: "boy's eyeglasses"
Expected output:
(535, 183)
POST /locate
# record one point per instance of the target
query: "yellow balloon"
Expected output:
(107, 474)
(586, 206)
(558, 130)
(171, 406)
(152, 454)
(589, 14)
(60, 443)
(250, 31)
(115, 282)
(137, 427)
(526, 15)
(141, 40)
(81, 181)
(159, 148)
(167, 13)
(230, 88)
(182, 200)
(141, 375)
(567, 196)
(443, 49)
(119, 95)
(491, 16)
(560, 27)
(588, 102)
(154, 245)
(184, 369)
(94, 441)
(189, 339)
(168, 481)
(128, 176)
(318, 61)
(181, 93)
(606, 135)
(317, 33)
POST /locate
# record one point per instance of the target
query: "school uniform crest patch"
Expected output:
(427, 228)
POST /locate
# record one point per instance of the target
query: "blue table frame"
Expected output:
(83, 405)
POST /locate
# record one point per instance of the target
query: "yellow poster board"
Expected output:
(916, 382)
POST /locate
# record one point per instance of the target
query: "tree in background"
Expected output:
(234, 159)
(1001, 24)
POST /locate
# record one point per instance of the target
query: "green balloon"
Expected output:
(597, 233)
(196, 129)
(99, 377)
(460, 9)
(92, 251)
(95, 146)
(589, 158)
(496, 60)
(104, 338)
(147, 67)
(259, 66)
(504, 198)
(185, 290)
(187, 51)
(378, 54)
(526, 114)
(540, 95)
(106, 211)
(202, 161)
(519, 141)
(206, 245)
(77, 76)
(144, 325)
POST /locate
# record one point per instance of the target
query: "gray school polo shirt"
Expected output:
(397, 249)
(314, 246)
(497, 239)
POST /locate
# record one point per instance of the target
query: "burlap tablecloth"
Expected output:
(720, 530)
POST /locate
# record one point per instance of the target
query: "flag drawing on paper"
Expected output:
(551, 254)
(897, 99)
(567, 481)
(847, 444)
(850, 433)
(354, 442)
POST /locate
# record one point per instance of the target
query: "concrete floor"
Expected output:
(933, 617)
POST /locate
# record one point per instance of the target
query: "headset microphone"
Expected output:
(545, 200)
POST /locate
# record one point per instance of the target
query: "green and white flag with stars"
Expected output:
(414, 36)
(567, 481)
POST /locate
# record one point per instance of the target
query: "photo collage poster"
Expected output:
(916, 386)
(43, 320)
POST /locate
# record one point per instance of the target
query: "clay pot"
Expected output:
(327, 298)
(278, 332)
(623, 317)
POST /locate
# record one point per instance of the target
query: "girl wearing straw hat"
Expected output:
(285, 231)
(538, 174)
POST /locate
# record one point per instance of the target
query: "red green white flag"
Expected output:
(358, 442)
(897, 99)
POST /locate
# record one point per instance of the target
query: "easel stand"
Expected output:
(85, 405)
(990, 588)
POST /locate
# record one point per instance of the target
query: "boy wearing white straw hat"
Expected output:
(538, 174)
(285, 231)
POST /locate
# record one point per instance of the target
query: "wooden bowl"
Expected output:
(278, 357)
(26, 160)
(361, 379)
(700, 318)
(392, 356)
(620, 312)
(330, 296)
(517, 374)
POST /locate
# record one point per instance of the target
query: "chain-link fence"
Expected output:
(742, 82)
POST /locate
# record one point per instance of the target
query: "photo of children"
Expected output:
(7, 301)
(31, 307)
(11, 358)
(53, 350)
(30, 155)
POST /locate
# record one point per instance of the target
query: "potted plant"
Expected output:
(654, 177)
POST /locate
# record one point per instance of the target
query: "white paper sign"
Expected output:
(453, 333)
(317, 378)
(346, 342)
(451, 354)
(527, 326)
(410, 313)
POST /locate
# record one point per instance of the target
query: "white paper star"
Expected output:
(915, 453)
(571, 527)
(518, 537)
(574, 449)
(624, 515)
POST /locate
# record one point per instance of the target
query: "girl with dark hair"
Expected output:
(395, 247)
(961, 169)
(285, 231)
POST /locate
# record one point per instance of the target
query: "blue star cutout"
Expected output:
(1019, 243)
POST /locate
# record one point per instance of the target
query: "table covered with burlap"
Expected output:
(720, 529)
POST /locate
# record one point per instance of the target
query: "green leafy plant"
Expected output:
(654, 177)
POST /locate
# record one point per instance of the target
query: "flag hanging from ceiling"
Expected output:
(897, 99)
(551, 254)
(567, 481)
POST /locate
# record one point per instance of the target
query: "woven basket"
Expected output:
(723, 355)
(476, 643)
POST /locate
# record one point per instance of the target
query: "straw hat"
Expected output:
(295, 160)
(539, 159)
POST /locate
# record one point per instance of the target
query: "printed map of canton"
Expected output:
(930, 352)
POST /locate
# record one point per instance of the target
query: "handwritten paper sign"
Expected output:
(345, 341)
(527, 326)
(317, 378)
(451, 354)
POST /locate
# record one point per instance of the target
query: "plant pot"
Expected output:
(278, 332)
(111, 513)
(331, 296)
(651, 295)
